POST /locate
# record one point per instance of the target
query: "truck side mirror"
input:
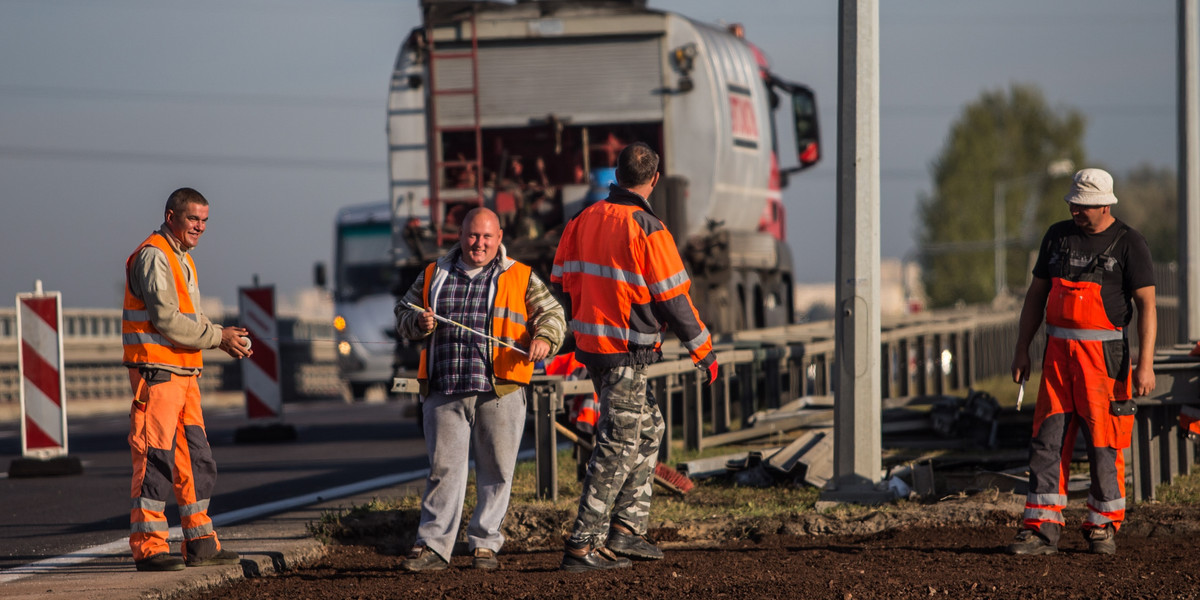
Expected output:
(808, 137)
(319, 275)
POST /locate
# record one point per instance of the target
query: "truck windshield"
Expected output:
(364, 260)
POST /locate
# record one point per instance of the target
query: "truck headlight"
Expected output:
(343, 348)
(339, 323)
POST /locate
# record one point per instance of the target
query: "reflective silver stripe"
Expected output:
(197, 532)
(1189, 411)
(1097, 518)
(141, 315)
(696, 342)
(1043, 514)
(145, 339)
(1084, 335)
(511, 315)
(148, 504)
(198, 506)
(669, 283)
(148, 526)
(587, 268)
(557, 271)
(1109, 506)
(609, 331)
(1046, 499)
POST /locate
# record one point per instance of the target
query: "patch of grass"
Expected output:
(1184, 490)
(1002, 388)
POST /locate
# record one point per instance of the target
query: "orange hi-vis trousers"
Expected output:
(1086, 373)
(170, 455)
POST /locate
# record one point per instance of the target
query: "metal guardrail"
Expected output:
(763, 369)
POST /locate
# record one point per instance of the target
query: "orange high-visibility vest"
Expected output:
(142, 341)
(627, 282)
(508, 317)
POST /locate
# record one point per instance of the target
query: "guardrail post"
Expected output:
(662, 389)
(773, 389)
(720, 401)
(693, 410)
(547, 396)
(887, 370)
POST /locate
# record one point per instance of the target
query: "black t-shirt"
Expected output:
(1129, 268)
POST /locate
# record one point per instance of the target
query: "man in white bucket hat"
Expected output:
(1089, 270)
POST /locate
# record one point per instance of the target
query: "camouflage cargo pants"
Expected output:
(619, 478)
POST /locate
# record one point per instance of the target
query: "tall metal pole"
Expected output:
(857, 452)
(1000, 239)
(1189, 172)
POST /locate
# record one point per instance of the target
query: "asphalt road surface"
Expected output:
(338, 444)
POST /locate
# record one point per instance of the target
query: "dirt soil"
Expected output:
(953, 548)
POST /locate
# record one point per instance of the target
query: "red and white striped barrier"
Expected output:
(260, 372)
(43, 383)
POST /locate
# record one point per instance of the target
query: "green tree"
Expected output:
(1005, 140)
(1146, 199)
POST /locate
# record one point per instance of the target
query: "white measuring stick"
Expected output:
(478, 333)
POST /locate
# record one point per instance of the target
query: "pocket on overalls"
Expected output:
(150, 378)
(1065, 306)
(1122, 434)
(1116, 359)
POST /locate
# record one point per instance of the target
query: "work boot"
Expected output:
(485, 560)
(221, 557)
(1029, 541)
(160, 562)
(1101, 540)
(623, 542)
(590, 558)
(423, 559)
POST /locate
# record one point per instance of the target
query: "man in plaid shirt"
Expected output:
(472, 387)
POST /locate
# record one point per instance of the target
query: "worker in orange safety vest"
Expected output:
(1089, 270)
(163, 332)
(627, 284)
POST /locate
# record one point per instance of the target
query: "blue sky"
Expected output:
(274, 110)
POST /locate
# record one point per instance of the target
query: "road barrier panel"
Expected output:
(260, 372)
(42, 388)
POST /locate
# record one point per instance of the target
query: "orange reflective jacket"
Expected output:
(627, 283)
(142, 341)
(509, 315)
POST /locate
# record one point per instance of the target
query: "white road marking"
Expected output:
(46, 566)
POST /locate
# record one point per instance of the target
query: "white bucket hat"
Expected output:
(1091, 187)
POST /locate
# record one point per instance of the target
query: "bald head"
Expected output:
(480, 237)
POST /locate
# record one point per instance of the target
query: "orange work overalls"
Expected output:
(1085, 387)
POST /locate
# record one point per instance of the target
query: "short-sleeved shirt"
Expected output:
(1129, 268)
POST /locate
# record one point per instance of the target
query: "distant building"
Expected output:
(900, 292)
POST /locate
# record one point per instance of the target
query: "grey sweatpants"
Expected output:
(453, 424)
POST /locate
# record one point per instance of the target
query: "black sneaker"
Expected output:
(592, 559)
(422, 559)
(222, 557)
(1101, 540)
(1029, 541)
(634, 546)
(485, 560)
(160, 562)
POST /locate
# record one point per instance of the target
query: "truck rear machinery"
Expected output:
(524, 107)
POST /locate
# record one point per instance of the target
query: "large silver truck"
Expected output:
(522, 107)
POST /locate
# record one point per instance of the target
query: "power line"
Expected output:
(333, 164)
(212, 98)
